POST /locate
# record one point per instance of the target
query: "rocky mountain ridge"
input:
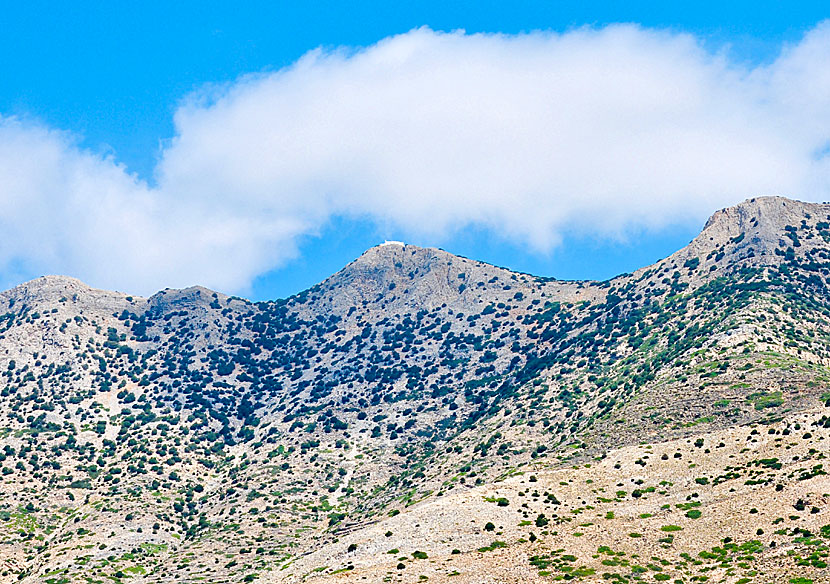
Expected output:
(191, 435)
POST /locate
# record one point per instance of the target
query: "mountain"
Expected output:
(423, 416)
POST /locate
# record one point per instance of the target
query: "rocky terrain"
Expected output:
(425, 417)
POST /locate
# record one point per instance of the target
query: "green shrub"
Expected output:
(762, 400)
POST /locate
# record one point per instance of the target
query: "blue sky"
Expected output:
(109, 79)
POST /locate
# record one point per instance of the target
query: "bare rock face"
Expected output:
(196, 298)
(423, 415)
(404, 277)
(62, 289)
(763, 217)
(400, 273)
(754, 229)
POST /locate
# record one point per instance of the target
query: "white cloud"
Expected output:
(596, 131)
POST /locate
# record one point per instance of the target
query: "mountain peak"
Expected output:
(193, 296)
(770, 213)
(52, 288)
(387, 249)
(757, 232)
(50, 282)
(393, 271)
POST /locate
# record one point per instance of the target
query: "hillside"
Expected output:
(419, 414)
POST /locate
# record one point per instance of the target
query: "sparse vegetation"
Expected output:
(195, 436)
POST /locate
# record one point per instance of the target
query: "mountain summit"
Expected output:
(422, 416)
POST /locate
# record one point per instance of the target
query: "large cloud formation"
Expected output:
(595, 131)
